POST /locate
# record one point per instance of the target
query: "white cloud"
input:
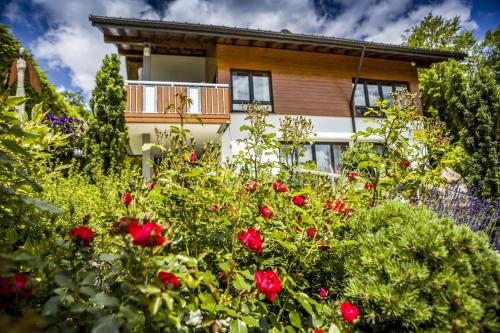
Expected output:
(72, 43)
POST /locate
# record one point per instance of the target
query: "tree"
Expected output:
(465, 95)
(52, 100)
(481, 136)
(76, 100)
(106, 136)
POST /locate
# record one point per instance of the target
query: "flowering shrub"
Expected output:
(209, 248)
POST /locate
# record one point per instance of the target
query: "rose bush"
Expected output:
(207, 248)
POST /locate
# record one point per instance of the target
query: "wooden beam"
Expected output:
(187, 44)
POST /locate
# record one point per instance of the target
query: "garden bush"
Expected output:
(206, 247)
(413, 271)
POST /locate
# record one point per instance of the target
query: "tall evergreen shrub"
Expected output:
(106, 136)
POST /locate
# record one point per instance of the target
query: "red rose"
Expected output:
(251, 239)
(125, 224)
(339, 206)
(349, 312)
(148, 234)
(405, 164)
(251, 186)
(168, 278)
(299, 200)
(318, 331)
(192, 157)
(311, 232)
(353, 175)
(215, 208)
(323, 293)
(151, 185)
(279, 187)
(348, 211)
(266, 212)
(127, 198)
(369, 186)
(328, 204)
(81, 235)
(268, 283)
(15, 285)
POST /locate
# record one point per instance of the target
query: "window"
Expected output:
(369, 91)
(250, 86)
(326, 155)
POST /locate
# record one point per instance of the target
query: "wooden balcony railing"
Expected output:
(153, 99)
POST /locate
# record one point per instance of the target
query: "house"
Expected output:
(330, 80)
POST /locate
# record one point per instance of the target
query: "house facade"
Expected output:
(331, 81)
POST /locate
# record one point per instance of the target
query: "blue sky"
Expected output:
(69, 50)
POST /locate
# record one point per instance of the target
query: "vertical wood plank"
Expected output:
(139, 98)
(133, 98)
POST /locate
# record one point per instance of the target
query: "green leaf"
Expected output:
(149, 146)
(304, 301)
(238, 326)
(295, 319)
(155, 305)
(106, 324)
(109, 257)
(51, 307)
(250, 321)
(333, 329)
(241, 284)
(64, 281)
(316, 321)
(88, 291)
(42, 205)
(103, 299)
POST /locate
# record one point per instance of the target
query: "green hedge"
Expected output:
(413, 271)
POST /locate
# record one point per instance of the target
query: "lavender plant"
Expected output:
(65, 124)
(467, 208)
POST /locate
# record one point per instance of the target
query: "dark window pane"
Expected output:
(338, 149)
(324, 157)
(359, 95)
(261, 88)
(241, 89)
(239, 106)
(373, 93)
(386, 91)
(306, 154)
(401, 86)
(379, 148)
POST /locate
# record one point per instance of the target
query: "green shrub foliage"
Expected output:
(106, 136)
(412, 271)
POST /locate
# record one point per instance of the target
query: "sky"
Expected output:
(65, 45)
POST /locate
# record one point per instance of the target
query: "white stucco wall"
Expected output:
(178, 68)
(327, 129)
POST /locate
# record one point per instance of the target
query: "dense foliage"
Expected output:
(52, 100)
(207, 247)
(465, 95)
(106, 140)
(416, 272)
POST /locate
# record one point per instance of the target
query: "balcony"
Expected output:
(160, 102)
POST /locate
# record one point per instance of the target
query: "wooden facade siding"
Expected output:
(213, 103)
(306, 83)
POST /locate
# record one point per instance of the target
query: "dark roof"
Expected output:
(130, 35)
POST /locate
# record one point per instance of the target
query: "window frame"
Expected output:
(360, 109)
(250, 74)
(313, 150)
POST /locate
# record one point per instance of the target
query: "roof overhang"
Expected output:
(132, 35)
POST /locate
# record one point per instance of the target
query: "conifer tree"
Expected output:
(106, 136)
